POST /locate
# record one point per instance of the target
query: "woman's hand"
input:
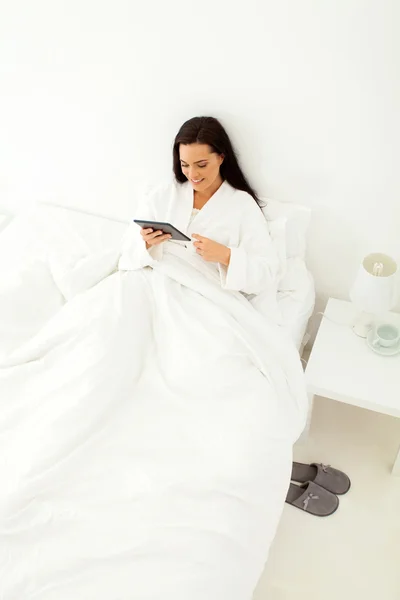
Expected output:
(153, 238)
(211, 251)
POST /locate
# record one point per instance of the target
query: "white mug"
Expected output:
(386, 335)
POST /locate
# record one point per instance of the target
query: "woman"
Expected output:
(146, 431)
(210, 195)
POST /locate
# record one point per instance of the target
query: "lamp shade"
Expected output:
(374, 289)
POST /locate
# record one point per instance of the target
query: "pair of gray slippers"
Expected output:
(320, 486)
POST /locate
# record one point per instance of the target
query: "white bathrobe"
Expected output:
(146, 430)
(231, 217)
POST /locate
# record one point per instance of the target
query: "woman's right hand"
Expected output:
(153, 238)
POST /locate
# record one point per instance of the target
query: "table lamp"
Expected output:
(374, 290)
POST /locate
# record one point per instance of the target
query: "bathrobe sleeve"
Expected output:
(134, 254)
(254, 264)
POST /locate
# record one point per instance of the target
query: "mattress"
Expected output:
(78, 233)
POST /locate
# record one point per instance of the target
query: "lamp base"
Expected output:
(362, 324)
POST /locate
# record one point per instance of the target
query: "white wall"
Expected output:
(94, 92)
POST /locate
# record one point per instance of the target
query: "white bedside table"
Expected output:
(342, 367)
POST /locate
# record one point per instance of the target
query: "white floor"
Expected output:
(355, 553)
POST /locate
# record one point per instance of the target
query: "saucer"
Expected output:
(382, 350)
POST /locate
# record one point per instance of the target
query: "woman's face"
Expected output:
(200, 165)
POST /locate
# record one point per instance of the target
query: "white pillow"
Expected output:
(297, 223)
(266, 302)
(95, 231)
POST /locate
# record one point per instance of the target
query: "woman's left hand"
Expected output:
(211, 251)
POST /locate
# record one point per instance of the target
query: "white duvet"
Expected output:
(146, 439)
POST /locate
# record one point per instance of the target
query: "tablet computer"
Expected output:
(165, 228)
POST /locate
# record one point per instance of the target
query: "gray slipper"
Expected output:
(326, 476)
(313, 499)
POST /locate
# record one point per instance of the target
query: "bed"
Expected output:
(110, 499)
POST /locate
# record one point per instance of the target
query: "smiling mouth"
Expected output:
(197, 181)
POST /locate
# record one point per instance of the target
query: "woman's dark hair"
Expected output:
(207, 130)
